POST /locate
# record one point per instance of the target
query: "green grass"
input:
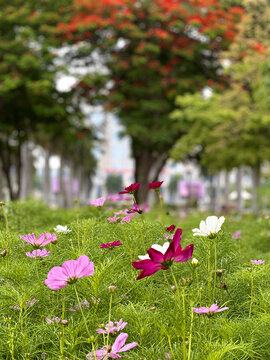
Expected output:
(242, 332)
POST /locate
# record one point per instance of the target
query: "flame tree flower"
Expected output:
(159, 261)
(69, 272)
(210, 227)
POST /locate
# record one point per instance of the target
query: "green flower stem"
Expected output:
(80, 306)
(62, 339)
(170, 345)
(209, 270)
(251, 293)
(215, 274)
(110, 311)
(134, 199)
(190, 331)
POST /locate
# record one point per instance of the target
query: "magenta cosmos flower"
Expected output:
(41, 241)
(213, 309)
(69, 272)
(135, 209)
(258, 262)
(110, 245)
(131, 189)
(155, 185)
(158, 260)
(98, 202)
(112, 352)
(38, 253)
(170, 228)
(113, 328)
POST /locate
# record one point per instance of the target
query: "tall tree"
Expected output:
(141, 54)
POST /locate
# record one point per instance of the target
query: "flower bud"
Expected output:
(3, 253)
(111, 288)
(195, 262)
(153, 308)
(186, 282)
(173, 287)
(64, 322)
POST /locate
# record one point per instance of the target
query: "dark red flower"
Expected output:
(155, 185)
(110, 245)
(170, 228)
(131, 189)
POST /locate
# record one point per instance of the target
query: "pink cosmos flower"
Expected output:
(84, 305)
(113, 352)
(110, 245)
(113, 197)
(170, 228)
(41, 241)
(113, 219)
(213, 309)
(53, 237)
(28, 304)
(69, 272)
(155, 185)
(131, 189)
(113, 328)
(38, 253)
(98, 202)
(160, 261)
(237, 235)
(126, 219)
(135, 209)
(50, 321)
(258, 262)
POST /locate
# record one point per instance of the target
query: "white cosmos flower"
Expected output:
(157, 247)
(210, 227)
(62, 229)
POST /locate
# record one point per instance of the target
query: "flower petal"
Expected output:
(184, 255)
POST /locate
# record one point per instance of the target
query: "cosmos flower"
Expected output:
(98, 202)
(213, 309)
(3, 253)
(131, 189)
(69, 272)
(41, 241)
(159, 261)
(112, 352)
(135, 209)
(113, 219)
(50, 321)
(112, 328)
(110, 245)
(38, 253)
(258, 262)
(237, 235)
(155, 185)
(126, 219)
(210, 227)
(62, 229)
(170, 228)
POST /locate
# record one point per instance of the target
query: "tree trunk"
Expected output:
(217, 205)
(227, 190)
(239, 200)
(26, 171)
(47, 178)
(61, 194)
(212, 194)
(255, 184)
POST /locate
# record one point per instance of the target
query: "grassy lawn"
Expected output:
(158, 309)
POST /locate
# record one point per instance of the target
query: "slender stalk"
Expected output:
(251, 294)
(80, 306)
(184, 324)
(190, 331)
(215, 274)
(62, 339)
(209, 270)
(110, 311)
(170, 345)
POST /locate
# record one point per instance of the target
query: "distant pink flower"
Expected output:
(258, 262)
(112, 288)
(146, 208)
(69, 272)
(237, 235)
(168, 236)
(213, 309)
(53, 237)
(112, 352)
(126, 198)
(113, 197)
(3, 253)
(28, 304)
(167, 356)
(41, 241)
(268, 234)
(113, 219)
(113, 328)
(38, 253)
(126, 219)
(131, 189)
(50, 321)
(84, 305)
(160, 261)
(135, 209)
(110, 245)
(170, 228)
(155, 185)
(98, 202)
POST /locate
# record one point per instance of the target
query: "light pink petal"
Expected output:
(222, 309)
(119, 342)
(85, 267)
(184, 255)
(128, 347)
(213, 308)
(55, 284)
(70, 268)
(57, 273)
(40, 239)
